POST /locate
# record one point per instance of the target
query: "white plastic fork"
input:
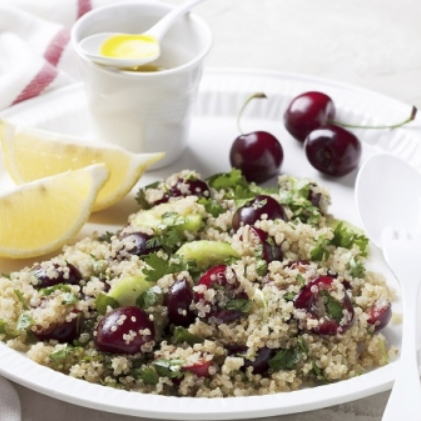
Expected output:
(402, 252)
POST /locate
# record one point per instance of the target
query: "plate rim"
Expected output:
(378, 380)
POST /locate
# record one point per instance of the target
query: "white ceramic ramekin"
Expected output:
(144, 111)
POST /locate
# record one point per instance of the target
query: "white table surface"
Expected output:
(375, 44)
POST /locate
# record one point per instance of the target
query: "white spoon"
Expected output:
(143, 50)
(388, 193)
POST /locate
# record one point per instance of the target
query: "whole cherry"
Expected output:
(333, 150)
(307, 112)
(258, 154)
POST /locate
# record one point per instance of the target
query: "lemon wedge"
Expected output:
(41, 216)
(32, 153)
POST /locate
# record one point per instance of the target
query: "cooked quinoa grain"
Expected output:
(214, 288)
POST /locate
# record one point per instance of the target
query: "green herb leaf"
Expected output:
(103, 301)
(302, 345)
(181, 334)
(141, 197)
(148, 299)
(320, 252)
(22, 299)
(285, 359)
(60, 356)
(296, 197)
(4, 330)
(149, 376)
(6, 275)
(49, 290)
(69, 298)
(289, 296)
(25, 321)
(356, 268)
(243, 306)
(211, 206)
(169, 368)
(106, 236)
(159, 267)
(228, 180)
(346, 238)
(334, 307)
(318, 372)
(261, 267)
(301, 280)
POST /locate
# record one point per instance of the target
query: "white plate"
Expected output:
(214, 128)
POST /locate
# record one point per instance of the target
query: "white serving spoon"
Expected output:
(388, 194)
(133, 49)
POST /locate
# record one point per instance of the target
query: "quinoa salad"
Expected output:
(216, 287)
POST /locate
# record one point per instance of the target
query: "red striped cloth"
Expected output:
(53, 45)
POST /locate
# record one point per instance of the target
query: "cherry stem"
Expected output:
(393, 126)
(259, 95)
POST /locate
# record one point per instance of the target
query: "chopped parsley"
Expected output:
(320, 252)
(106, 236)
(285, 359)
(22, 299)
(25, 321)
(147, 299)
(342, 237)
(333, 306)
(289, 296)
(236, 186)
(261, 267)
(301, 280)
(141, 196)
(149, 376)
(347, 238)
(159, 267)
(181, 334)
(243, 306)
(211, 206)
(318, 372)
(169, 368)
(356, 268)
(297, 199)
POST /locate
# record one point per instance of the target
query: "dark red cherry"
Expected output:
(50, 274)
(260, 363)
(254, 209)
(136, 243)
(61, 332)
(258, 155)
(333, 316)
(379, 315)
(227, 290)
(185, 187)
(180, 296)
(270, 250)
(307, 112)
(124, 330)
(333, 150)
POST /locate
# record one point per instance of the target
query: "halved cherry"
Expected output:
(61, 332)
(333, 316)
(262, 206)
(379, 315)
(225, 306)
(185, 187)
(270, 250)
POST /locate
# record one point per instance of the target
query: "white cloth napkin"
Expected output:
(35, 57)
(35, 52)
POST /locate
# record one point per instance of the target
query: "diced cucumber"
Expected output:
(207, 253)
(127, 290)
